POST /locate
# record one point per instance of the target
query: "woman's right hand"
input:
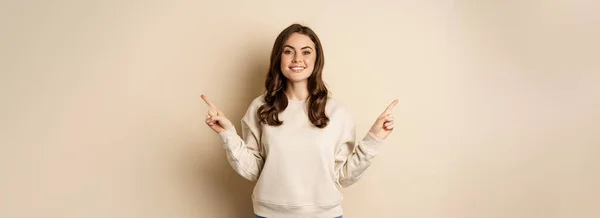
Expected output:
(215, 119)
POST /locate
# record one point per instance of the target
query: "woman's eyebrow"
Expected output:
(292, 47)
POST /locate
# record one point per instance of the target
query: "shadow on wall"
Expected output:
(213, 176)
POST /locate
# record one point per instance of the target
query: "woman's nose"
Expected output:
(296, 59)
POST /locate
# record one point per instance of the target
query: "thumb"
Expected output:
(220, 113)
(223, 121)
(381, 120)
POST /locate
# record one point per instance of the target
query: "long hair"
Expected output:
(276, 83)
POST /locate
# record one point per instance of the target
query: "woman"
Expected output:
(297, 142)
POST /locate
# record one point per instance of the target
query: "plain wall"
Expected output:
(498, 117)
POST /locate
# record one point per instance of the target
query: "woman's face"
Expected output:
(298, 58)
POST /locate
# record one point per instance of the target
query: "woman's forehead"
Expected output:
(298, 40)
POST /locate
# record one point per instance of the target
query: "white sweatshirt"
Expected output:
(299, 168)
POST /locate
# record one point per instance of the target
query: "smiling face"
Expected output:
(298, 58)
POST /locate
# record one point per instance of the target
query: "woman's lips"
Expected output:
(297, 69)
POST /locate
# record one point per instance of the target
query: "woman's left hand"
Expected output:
(384, 124)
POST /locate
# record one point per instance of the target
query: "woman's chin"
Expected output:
(297, 78)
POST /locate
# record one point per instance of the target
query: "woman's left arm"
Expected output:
(352, 159)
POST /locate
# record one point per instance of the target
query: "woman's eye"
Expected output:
(287, 52)
(306, 52)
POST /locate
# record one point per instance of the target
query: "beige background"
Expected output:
(498, 116)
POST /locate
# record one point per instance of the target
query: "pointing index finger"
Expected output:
(389, 108)
(209, 103)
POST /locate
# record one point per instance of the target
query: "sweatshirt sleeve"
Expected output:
(244, 153)
(353, 158)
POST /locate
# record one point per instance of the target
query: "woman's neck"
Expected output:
(297, 91)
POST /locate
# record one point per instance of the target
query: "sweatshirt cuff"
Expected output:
(228, 135)
(371, 143)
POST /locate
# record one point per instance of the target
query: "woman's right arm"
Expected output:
(243, 153)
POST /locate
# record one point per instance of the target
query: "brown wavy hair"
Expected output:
(276, 83)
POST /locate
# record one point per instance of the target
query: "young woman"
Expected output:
(297, 142)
